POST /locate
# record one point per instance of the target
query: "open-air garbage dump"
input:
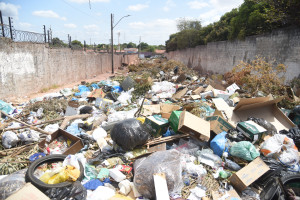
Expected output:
(159, 131)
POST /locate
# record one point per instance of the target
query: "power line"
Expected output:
(80, 11)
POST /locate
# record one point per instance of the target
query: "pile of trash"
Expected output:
(161, 132)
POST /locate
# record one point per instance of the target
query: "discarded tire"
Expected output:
(29, 177)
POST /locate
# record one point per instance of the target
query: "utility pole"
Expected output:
(112, 26)
(112, 42)
(140, 46)
(119, 41)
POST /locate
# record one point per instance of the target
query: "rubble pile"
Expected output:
(162, 131)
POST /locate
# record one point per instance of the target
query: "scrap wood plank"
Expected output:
(165, 139)
(69, 118)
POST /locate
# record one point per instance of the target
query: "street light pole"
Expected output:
(112, 26)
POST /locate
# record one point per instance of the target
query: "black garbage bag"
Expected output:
(129, 133)
(293, 133)
(264, 123)
(86, 110)
(236, 136)
(276, 168)
(74, 192)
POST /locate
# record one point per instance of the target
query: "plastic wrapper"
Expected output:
(129, 134)
(280, 144)
(51, 128)
(99, 133)
(12, 183)
(232, 165)
(244, 150)
(264, 123)
(71, 160)
(163, 89)
(167, 162)
(74, 192)
(9, 139)
(90, 172)
(29, 136)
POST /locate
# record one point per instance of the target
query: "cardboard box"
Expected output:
(76, 144)
(103, 103)
(194, 126)
(260, 107)
(158, 125)
(248, 174)
(218, 124)
(198, 90)
(231, 194)
(28, 192)
(251, 130)
(150, 109)
(167, 109)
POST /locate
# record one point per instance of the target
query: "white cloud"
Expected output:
(152, 32)
(217, 9)
(91, 27)
(25, 25)
(87, 1)
(70, 25)
(197, 4)
(9, 10)
(48, 14)
(98, 13)
(137, 7)
(168, 5)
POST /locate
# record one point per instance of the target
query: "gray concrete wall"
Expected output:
(27, 67)
(283, 45)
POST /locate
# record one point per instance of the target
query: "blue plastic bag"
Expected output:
(6, 108)
(93, 184)
(94, 85)
(117, 89)
(218, 144)
(82, 89)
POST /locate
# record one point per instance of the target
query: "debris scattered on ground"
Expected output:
(161, 131)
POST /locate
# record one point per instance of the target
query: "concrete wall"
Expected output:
(220, 57)
(27, 68)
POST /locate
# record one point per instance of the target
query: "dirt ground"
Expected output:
(18, 100)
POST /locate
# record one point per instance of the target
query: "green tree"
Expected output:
(185, 24)
(57, 42)
(76, 43)
(131, 45)
(143, 46)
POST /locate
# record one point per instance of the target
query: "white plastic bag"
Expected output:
(101, 193)
(282, 145)
(29, 136)
(99, 133)
(125, 97)
(9, 139)
(71, 160)
(51, 128)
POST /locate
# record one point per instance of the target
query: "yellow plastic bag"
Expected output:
(58, 178)
(72, 173)
(45, 177)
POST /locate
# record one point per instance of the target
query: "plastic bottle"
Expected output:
(232, 165)
(224, 174)
(209, 158)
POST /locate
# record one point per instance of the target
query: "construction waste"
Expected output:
(161, 131)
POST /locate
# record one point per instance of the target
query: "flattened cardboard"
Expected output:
(150, 109)
(218, 124)
(195, 97)
(209, 88)
(28, 192)
(248, 174)
(73, 149)
(198, 90)
(194, 126)
(179, 94)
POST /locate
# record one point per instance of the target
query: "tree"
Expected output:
(57, 42)
(76, 43)
(143, 46)
(131, 45)
(185, 24)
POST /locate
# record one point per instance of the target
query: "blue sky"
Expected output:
(152, 20)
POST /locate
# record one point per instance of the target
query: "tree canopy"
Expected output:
(251, 18)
